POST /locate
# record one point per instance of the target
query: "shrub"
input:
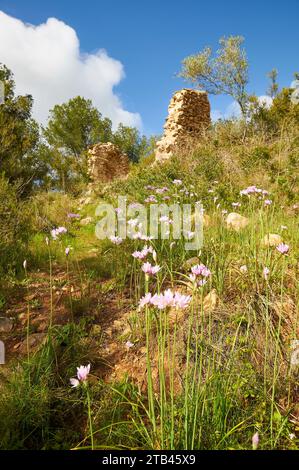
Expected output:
(14, 227)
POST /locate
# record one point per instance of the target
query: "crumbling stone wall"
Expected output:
(188, 116)
(106, 162)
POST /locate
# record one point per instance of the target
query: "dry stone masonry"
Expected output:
(188, 117)
(106, 162)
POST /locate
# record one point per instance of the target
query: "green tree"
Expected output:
(19, 137)
(129, 140)
(72, 128)
(224, 73)
(273, 88)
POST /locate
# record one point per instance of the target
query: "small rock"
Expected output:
(272, 239)
(6, 325)
(190, 262)
(210, 301)
(236, 221)
(34, 340)
(86, 221)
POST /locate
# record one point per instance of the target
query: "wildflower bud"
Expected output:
(255, 441)
(25, 264)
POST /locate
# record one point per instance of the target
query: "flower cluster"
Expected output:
(199, 274)
(116, 240)
(82, 373)
(283, 248)
(58, 231)
(150, 270)
(144, 252)
(253, 190)
(166, 300)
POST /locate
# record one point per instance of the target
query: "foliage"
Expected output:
(226, 73)
(14, 227)
(19, 137)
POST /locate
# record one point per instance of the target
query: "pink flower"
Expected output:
(143, 253)
(255, 441)
(71, 215)
(58, 231)
(243, 269)
(166, 300)
(200, 270)
(145, 300)
(150, 270)
(266, 272)
(129, 345)
(181, 301)
(199, 275)
(82, 373)
(116, 240)
(268, 202)
(189, 235)
(177, 182)
(151, 198)
(283, 248)
(67, 251)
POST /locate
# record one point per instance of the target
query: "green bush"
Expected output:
(14, 227)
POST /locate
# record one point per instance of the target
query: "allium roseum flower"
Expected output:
(151, 198)
(116, 240)
(67, 251)
(71, 215)
(82, 373)
(166, 300)
(283, 248)
(145, 300)
(255, 441)
(267, 202)
(143, 253)
(177, 182)
(266, 272)
(150, 270)
(133, 222)
(129, 345)
(199, 274)
(58, 231)
(236, 204)
(189, 235)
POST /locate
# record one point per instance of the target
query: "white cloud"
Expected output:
(47, 63)
(233, 110)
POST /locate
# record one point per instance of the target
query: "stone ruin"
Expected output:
(188, 117)
(106, 162)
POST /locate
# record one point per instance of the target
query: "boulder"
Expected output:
(272, 239)
(236, 221)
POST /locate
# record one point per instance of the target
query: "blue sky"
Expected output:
(151, 38)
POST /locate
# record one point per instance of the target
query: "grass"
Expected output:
(195, 378)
